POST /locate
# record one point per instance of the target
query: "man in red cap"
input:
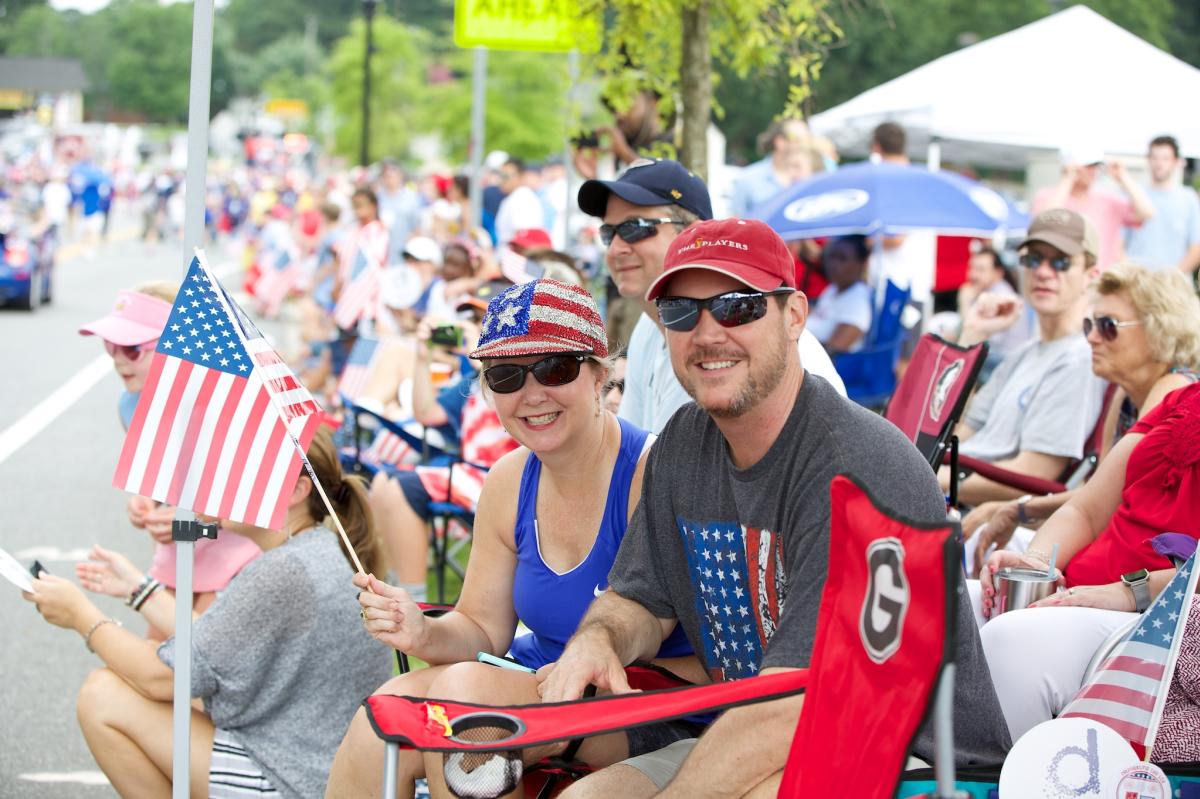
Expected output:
(731, 538)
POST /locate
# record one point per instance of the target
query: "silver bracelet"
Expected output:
(87, 638)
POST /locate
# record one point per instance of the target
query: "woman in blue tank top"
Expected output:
(550, 520)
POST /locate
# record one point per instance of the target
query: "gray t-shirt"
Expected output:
(740, 556)
(1041, 398)
(282, 661)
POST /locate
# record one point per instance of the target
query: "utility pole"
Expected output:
(364, 156)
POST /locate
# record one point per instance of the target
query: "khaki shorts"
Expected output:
(661, 766)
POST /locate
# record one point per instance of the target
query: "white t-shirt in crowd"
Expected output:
(911, 264)
(56, 199)
(835, 307)
(519, 210)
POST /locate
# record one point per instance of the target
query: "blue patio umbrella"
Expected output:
(889, 199)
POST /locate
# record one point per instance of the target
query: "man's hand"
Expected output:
(989, 315)
(1117, 171)
(588, 659)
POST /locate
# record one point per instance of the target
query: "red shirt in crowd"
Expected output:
(1161, 494)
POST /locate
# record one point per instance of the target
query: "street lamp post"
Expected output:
(364, 155)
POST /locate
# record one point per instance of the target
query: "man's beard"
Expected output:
(762, 380)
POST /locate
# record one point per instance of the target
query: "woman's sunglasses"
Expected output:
(633, 230)
(729, 310)
(1032, 260)
(554, 370)
(131, 352)
(1106, 326)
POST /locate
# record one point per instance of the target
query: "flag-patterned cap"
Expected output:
(541, 317)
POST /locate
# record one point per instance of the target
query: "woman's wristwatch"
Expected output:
(1138, 583)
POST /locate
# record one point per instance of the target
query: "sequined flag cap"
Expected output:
(541, 317)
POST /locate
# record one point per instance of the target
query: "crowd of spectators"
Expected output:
(599, 446)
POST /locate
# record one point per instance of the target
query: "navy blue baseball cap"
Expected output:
(649, 181)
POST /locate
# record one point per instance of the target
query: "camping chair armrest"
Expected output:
(1022, 482)
(421, 445)
(407, 720)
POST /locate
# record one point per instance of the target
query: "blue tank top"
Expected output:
(551, 604)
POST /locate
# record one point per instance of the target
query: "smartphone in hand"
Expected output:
(504, 663)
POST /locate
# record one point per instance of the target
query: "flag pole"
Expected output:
(255, 366)
(1160, 702)
(185, 530)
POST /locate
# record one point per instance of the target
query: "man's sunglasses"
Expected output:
(729, 310)
(554, 370)
(131, 352)
(1106, 326)
(633, 230)
(1032, 260)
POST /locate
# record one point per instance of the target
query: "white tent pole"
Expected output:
(933, 156)
(185, 531)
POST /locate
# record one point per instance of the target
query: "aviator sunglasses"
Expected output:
(731, 309)
(1106, 326)
(633, 230)
(553, 370)
(1032, 260)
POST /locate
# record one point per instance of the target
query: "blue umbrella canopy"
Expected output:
(889, 199)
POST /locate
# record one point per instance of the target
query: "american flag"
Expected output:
(1130, 689)
(279, 272)
(389, 449)
(360, 291)
(740, 589)
(209, 431)
(358, 368)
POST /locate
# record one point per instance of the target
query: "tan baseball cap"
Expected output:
(1065, 230)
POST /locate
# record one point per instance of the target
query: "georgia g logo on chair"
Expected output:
(882, 619)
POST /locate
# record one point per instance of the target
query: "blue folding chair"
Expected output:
(359, 427)
(870, 373)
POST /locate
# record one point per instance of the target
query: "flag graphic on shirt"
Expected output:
(360, 291)
(1129, 691)
(740, 590)
(358, 368)
(209, 431)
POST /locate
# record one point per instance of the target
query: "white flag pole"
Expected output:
(185, 530)
(255, 366)
(1191, 572)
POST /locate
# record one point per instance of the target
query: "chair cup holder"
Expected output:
(482, 775)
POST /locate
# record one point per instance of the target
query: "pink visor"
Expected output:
(135, 319)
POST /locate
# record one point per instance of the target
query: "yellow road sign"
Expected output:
(546, 25)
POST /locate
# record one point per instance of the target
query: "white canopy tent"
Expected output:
(1069, 79)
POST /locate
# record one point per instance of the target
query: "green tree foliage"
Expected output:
(291, 57)
(525, 113)
(398, 90)
(642, 45)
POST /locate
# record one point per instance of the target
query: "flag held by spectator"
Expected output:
(1129, 690)
(358, 368)
(279, 272)
(209, 431)
(360, 292)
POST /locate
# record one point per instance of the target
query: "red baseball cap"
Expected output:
(532, 238)
(746, 250)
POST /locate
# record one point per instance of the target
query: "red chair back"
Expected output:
(931, 397)
(884, 631)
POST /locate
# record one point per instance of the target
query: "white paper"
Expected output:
(14, 572)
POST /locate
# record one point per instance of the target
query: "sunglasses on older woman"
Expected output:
(553, 370)
(1106, 326)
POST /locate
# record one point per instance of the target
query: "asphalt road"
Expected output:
(56, 500)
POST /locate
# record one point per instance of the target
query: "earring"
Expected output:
(599, 409)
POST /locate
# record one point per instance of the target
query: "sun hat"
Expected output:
(649, 181)
(135, 319)
(746, 250)
(541, 317)
(423, 248)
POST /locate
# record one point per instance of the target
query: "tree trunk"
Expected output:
(695, 81)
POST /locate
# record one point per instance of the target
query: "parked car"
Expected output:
(27, 268)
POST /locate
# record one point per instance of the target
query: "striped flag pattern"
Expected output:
(1129, 691)
(358, 368)
(279, 272)
(484, 441)
(360, 292)
(209, 431)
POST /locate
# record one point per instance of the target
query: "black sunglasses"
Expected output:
(633, 230)
(731, 309)
(553, 370)
(1032, 260)
(1106, 326)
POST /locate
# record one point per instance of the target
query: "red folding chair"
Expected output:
(933, 394)
(884, 635)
